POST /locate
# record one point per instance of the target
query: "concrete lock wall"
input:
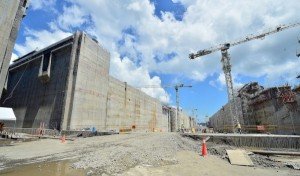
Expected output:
(33, 101)
(129, 108)
(277, 117)
(91, 87)
(185, 121)
(67, 86)
(11, 14)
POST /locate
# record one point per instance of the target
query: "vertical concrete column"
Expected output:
(69, 91)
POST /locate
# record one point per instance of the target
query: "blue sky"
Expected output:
(149, 42)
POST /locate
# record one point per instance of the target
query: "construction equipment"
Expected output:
(227, 66)
(177, 86)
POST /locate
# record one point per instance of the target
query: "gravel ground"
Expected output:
(116, 154)
(258, 160)
(150, 150)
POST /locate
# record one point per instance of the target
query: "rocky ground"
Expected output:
(136, 154)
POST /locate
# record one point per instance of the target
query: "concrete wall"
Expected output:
(185, 121)
(11, 14)
(222, 120)
(91, 87)
(266, 109)
(129, 108)
(66, 86)
(33, 101)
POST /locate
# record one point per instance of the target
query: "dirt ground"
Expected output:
(128, 154)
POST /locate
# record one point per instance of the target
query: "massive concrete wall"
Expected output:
(185, 121)
(129, 108)
(267, 109)
(91, 87)
(35, 102)
(222, 120)
(11, 14)
(66, 86)
(278, 117)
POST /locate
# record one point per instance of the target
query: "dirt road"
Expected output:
(125, 154)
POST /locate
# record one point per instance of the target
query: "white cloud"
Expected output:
(220, 82)
(42, 4)
(72, 16)
(139, 77)
(204, 24)
(36, 40)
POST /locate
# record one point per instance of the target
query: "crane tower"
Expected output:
(177, 86)
(225, 60)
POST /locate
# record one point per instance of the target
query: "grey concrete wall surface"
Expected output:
(129, 108)
(185, 121)
(91, 87)
(11, 14)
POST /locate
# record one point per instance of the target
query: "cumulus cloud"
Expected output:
(42, 4)
(39, 39)
(220, 82)
(71, 17)
(204, 24)
(139, 77)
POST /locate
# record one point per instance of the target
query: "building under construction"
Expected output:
(66, 86)
(274, 110)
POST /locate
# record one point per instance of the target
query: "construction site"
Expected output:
(62, 113)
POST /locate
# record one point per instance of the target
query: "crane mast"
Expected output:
(225, 60)
(177, 86)
(228, 79)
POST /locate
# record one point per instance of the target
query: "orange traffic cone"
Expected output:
(63, 139)
(204, 148)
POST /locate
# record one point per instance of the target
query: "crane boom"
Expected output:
(227, 66)
(226, 46)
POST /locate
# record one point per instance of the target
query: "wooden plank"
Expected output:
(239, 157)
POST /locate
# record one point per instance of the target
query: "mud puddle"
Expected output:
(57, 168)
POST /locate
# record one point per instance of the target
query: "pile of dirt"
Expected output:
(150, 150)
(265, 161)
(258, 160)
